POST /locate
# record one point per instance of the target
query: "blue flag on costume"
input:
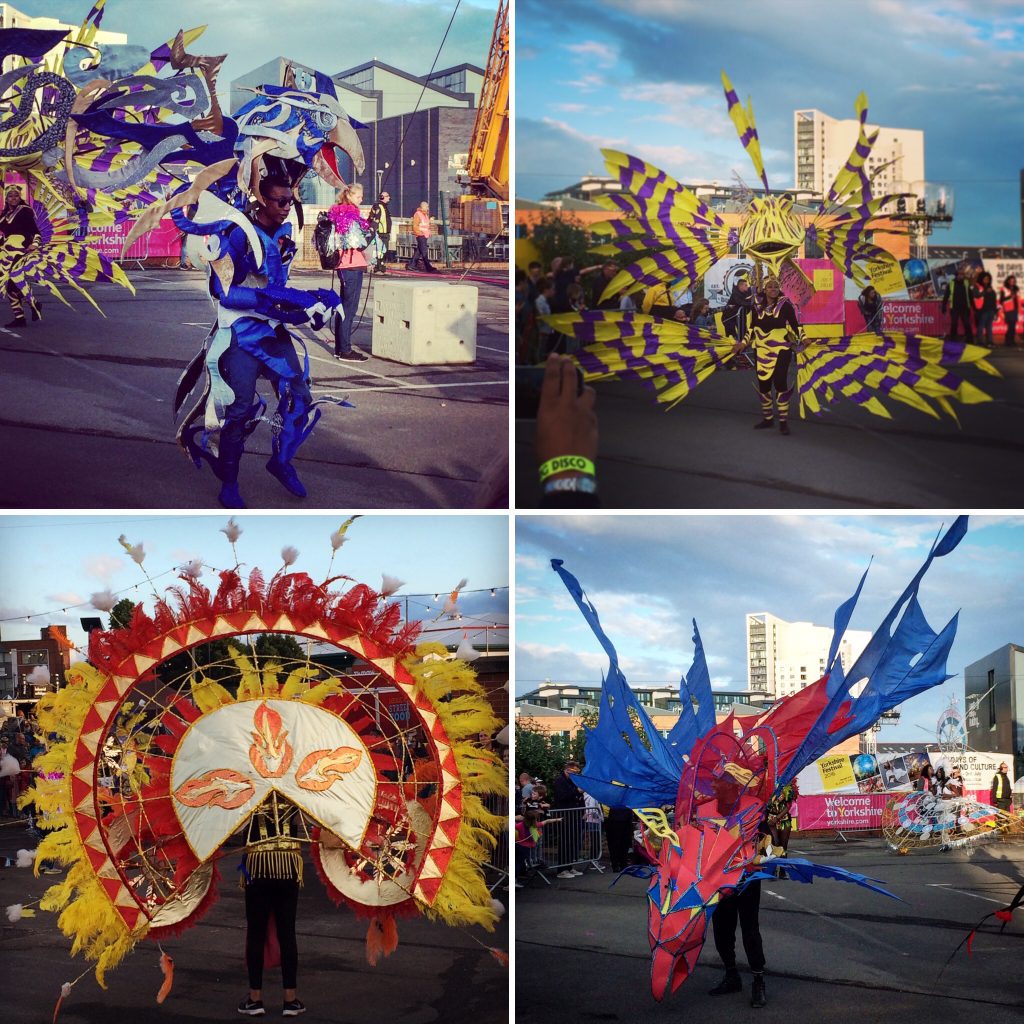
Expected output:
(800, 870)
(628, 762)
(696, 686)
(888, 665)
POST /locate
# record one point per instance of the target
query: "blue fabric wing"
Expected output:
(801, 870)
(629, 764)
(694, 687)
(898, 663)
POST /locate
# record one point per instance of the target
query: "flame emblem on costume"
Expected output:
(270, 753)
(222, 787)
(322, 768)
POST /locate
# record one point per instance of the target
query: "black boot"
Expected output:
(730, 983)
(757, 995)
(764, 424)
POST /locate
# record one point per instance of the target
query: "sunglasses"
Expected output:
(282, 203)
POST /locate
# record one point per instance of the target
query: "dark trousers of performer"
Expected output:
(620, 838)
(421, 255)
(15, 298)
(960, 317)
(744, 908)
(779, 380)
(263, 897)
(241, 371)
(351, 283)
(1011, 329)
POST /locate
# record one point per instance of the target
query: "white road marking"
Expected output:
(459, 384)
(500, 351)
(189, 323)
(776, 895)
(948, 888)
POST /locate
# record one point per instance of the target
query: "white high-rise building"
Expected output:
(822, 146)
(784, 657)
(11, 17)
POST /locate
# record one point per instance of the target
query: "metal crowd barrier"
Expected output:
(571, 839)
(498, 864)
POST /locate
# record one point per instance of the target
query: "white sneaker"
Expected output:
(575, 873)
(566, 874)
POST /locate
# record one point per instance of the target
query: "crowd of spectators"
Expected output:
(973, 305)
(20, 743)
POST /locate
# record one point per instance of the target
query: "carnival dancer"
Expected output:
(19, 228)
(252, 341)
(742, 907)
(773, 331)
(271, 877)
(353, 236)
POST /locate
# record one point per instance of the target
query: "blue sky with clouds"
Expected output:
(50, 562)
(327, 35)
(644, 76)
(649, 576)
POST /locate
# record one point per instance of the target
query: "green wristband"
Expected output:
(567, 464)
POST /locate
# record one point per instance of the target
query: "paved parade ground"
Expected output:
(705, 454)
(835, 952)
(87, 409)
(437, 974)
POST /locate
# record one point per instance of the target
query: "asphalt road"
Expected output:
(437, 974)
(835, 952)
(85, 407)
(704, 454)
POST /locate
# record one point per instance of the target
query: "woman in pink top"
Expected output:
(353, 233)
(422, 229)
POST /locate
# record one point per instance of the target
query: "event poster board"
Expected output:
(841, 811)
(904, 315)
(722, 277)
(848, 791)
(163, 242)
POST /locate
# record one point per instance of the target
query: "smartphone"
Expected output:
(529, 381)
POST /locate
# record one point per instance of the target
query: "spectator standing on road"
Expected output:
(380, 222)
(546, 336)
(353, 236)
(957, 300)
(985, 304)
(738, 308)
(569, 797)
(701, 315)
(1009, 303)
(619, 827)
(926, 780)
(601, 281)
(529, 833)
(422, 229)
(954, 785)
(872, 309)
(1001, 790)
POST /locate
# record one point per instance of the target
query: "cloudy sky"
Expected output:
(56, 562)
(649, 576)
(644, 76)
(322, 34)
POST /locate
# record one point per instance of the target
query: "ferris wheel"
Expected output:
(950, 733)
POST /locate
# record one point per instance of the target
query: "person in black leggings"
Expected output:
(272, 872)
(773, 329)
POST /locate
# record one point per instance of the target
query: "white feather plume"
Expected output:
(466, 651)
(390, 584)
(194, 569)
(232, 531)
(25, 858)
(103, 600)
(289, 554)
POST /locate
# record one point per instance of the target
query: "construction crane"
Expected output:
(487, 166)
(481, 214)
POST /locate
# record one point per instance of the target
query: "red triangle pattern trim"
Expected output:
(451, 828)
(428, 887)
(441, 857)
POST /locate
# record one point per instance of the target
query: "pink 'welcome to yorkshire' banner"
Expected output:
(841, 811)
(163, 242)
